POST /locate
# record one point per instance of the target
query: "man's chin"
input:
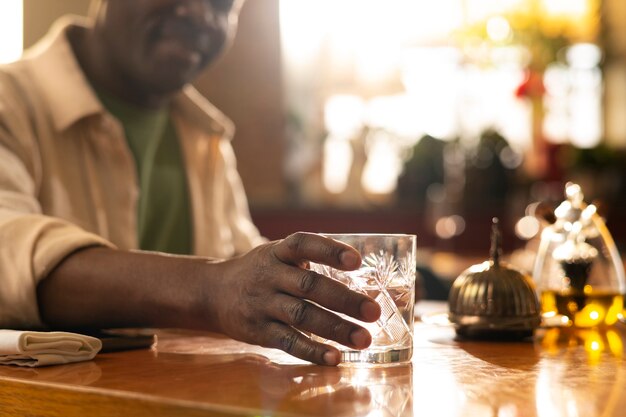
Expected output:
(168, 88)
(173, 73)
(169, 79)
(155, 91)
(165, 75)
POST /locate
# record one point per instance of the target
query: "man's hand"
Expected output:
(268, 297)
(265, 297)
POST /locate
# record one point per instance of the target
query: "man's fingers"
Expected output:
(308, 317)
(302, 247)
(303, 283)
(286, 338)
(327, 292)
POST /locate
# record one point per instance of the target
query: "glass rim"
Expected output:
(409, 235)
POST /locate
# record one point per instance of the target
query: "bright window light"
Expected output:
(566, 7)
(338, 157)
(374, 76)
(11, 30)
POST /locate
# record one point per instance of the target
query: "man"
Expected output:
(105, 149)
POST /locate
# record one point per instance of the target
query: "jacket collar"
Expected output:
(56, 71)
(70, 96)
(198, 111)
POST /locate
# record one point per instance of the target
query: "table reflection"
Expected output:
(582, 373)
(79, 373)
(390, 388)
(595, 342)
(288, 383)
(385, 391)
(367, 391)
(558, 373)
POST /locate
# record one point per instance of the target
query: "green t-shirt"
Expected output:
(164, 216)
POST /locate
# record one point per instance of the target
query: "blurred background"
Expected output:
(414, 116)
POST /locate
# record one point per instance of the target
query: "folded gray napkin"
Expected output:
(32, 349)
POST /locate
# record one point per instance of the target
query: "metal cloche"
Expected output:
(493, 300)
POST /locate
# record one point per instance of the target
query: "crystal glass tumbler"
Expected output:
(387, 274)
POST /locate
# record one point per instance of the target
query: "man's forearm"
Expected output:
(266, 296)
(104, 288)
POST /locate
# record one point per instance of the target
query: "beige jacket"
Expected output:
(68, 179)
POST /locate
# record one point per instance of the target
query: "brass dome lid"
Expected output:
(493, 299)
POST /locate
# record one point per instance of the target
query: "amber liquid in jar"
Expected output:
(587, 308)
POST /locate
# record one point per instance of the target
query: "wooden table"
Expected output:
(198, 374)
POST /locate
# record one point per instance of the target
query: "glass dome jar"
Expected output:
(578, 270)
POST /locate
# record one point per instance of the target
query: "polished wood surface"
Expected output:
(560, 373)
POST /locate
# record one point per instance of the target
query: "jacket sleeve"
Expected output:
(245, 234)
(31, 243)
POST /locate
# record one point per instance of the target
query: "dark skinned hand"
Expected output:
(268, 297)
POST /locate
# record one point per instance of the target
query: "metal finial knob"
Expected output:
(496, 242)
